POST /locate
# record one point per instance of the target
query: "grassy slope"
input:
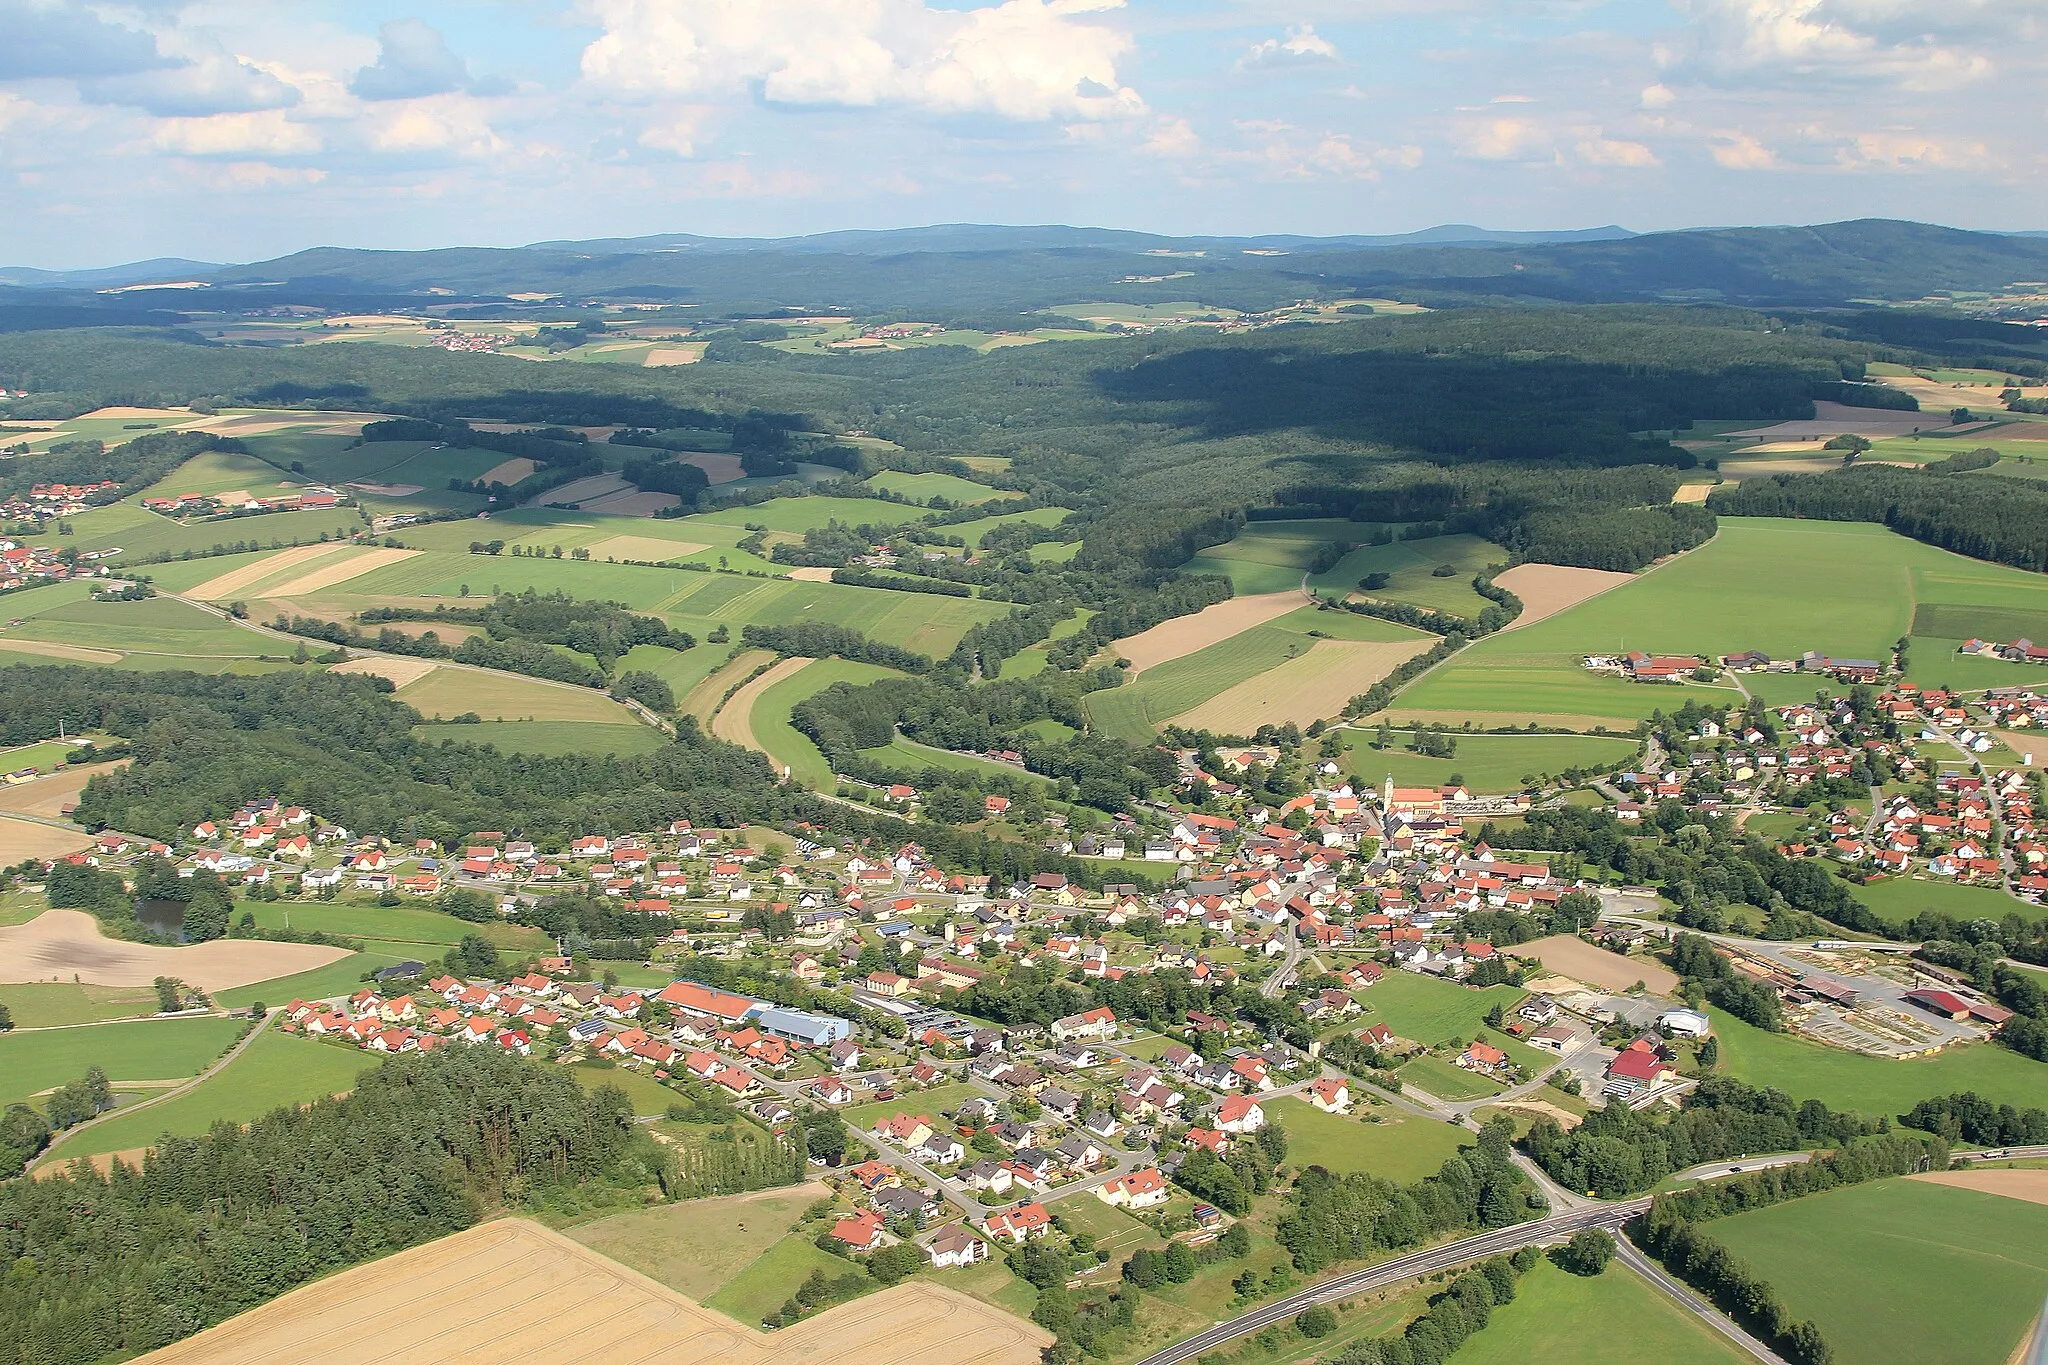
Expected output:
(1875, 1085)
(1614, 1318)
(1901, 1270)
(698, 1246)
(763, 1286)
(338, 978)
(50, 1004)
(1403, 1149)
(139, 1050)
(783, 741)
(278, 1069)
(1492, 763)
(1860, 586)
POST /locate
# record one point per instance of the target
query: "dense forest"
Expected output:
(2003, 520)
(104, 1267)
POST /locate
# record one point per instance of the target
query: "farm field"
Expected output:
(648, 1096)
(61, 944)
(1428, 1010)
(766, 1283)
(402, 929)
(1183, 683)
(1186, 635)
(1614, 1318)
(1403, 1149)
(342, 977)
(550, 738)
(1898, 899)
(447, 692)
(34, 1061)
(1547, 589)
(1874, 1085)
(1897, 1271)
(768, 714)
(697, 1246)
(65, 614)
(47, 796)
(1568, 955)
(924, 487)
(550, 1301)
(1411, 569)
(22, 839)
(277, 1069)
(140, 533)
(1306, 688)
(1864, 585)
(1485, 763)
(51, 1004)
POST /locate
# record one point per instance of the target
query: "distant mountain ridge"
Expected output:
(951, 270)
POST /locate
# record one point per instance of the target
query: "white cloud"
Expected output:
(1741, 152)
(211, 80)
(1658, 96)
(1023, 60)
(1913, 45)
(413, 60)
(1503, 139)
(1602, 151)
(265, 133)
(1911, 151)
(1172, 137)
(1302, 45)
(44, 38)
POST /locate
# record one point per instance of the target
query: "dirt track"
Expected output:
(734, 722)
(1547, 589)
(62, 945)
(1183, 635)
(515, 1290)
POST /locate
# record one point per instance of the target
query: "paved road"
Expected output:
(1555, 1228)
(1658, 1277)
(1290, 964)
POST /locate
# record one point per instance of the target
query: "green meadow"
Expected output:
(1273, 556)
(51, 1004)
(1903, 1271)
(1485, 763)
(277, 1069)
(34, 1061)
(1783, 587)
(925, 487)
(1614, 1318)
(1875, 1086)
(783, 742)
(1402, 1148)
(342, 977)
(1898, 899)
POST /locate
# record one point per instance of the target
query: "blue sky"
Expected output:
(241, 129)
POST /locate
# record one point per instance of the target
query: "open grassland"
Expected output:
(768, 715)
(1429, 1010)
(215, 472)
(766, 1283)
(249, 571)
(1898, 1271)
(452, 691)
(65, 614)
(550, 738)
(67, 945)
(1898, 899)
(1411, 567)
(1485, 763)
(404, 930)
(140, 533)
(543, 1298)
(924, 487)
(932, 1104)
(276, 1069)
(45, 757)
(1183, 683)
(33, 1061)
(1860, 588)
(696, 1247)
(342, 977)
(680, 669)
(333, 572)
(1875, 1085)
(1614, 1318)
(911, 757)
(53, 1003)
(1307, 688)
(1403, 1148)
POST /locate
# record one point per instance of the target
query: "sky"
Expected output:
(237, 130)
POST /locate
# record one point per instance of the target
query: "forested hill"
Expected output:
(1163, 419)
(947, 271)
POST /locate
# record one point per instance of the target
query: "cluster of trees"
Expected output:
(1619, 1151)
(1177, 1262)
(1671, 1231)
(1351, 1217)
(732, 1159)
(1711, 974)
(134, 465)
(1967, 1116)
(2001, 520)
(1232, 1182)
(817, 639)
(686, 481)
(120, 1264)
(23, 1133)
(1462, 1307)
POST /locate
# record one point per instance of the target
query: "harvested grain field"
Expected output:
(734, 722)
(248, 575)
(811, 573)
(515, 1289)
(1309, 687)
(508, 472)
(1547, 589)
(1581, 961)
(448, 632)
(648, 549)
(2027, 1184)
(103, 1162)
(1541, 1109)
(630, 502)
(702, 700)
(1542, 720)
(21, 839)
(1836, 419)
(67, 945)
(399, 671)
(1185, 634)
(84, 654)
(674, 355)
(578, 490)
(1691, 492)
(388, 490)
(48, 796)
(328, 575)
(717, 466)
(453, 690)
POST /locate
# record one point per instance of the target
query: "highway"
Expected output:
(1557, 1227)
